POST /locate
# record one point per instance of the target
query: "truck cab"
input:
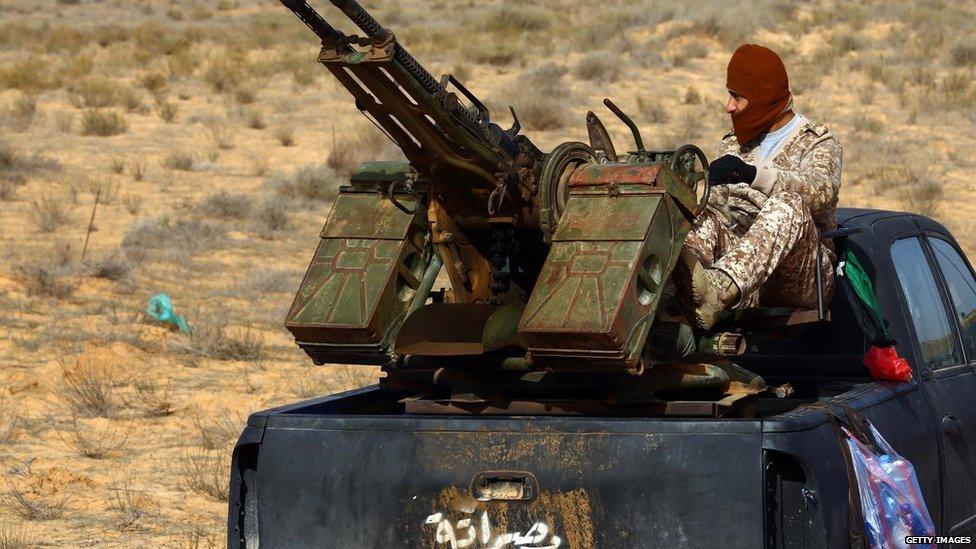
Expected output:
(370, 468)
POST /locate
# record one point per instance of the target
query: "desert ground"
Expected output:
(213, 144)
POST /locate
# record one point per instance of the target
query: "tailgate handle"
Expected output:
(504, 486)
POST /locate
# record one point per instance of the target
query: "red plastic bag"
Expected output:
(885, 364)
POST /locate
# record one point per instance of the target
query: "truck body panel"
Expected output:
(353, 470)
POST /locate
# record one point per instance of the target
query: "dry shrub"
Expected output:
(154, 82)
(274, 214)
(129, 506)
(30, 75)
(221, 134)
(224, 72)
(154, 399)
(245, 95)
(46, 278)
(131, 100)
(963, 54)
(138, 169)
(117, 165)
(49, 212)
(312, 182)
(206, 473)
(541, 98)
(320, 381)
(167, 111)
(103, 123)
(89, 389)
(868, 123)
(254, 119)
(114, 266)
(924, 198)
(162, 237)
(17, 168)
(133, 203)
(226, 205)
(21, 116)
(285, 135)
(97, 441)
(34, 504)
(215, 339)
(598, 65)
(652, 110)
(217, 433)
(513, 19)
(352, 150)
(65, 121)
(180, 160)
(94, 93)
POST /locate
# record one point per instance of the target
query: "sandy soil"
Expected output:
(116, 430)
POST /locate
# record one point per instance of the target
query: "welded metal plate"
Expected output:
(590, 218)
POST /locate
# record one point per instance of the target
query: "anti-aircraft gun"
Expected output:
(557, 261)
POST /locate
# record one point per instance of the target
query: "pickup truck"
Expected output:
(358, 469)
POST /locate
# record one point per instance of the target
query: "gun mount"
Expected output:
(557, 261)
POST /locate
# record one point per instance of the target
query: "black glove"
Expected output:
(729, 169)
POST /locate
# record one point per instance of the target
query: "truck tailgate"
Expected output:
(401, 481)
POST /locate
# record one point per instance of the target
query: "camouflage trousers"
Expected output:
(774, 261)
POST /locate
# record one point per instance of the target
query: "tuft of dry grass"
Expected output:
(180, 160)
(162, 237)
(49, 212)
(138, 169)
(103, 123)
(155, 399)
(133, 203)
(221, 134)
(314, 182)
(97, 441)
(226, 205)
(285, 135)
(206, 473)
(114, 266)
(215, 339)
(154, 82)
(168, 111)
(128, 506)
(217, 432)
(48, 279)
(32, 74)
(652, 110)
(542, 98)
(868, 123)
(599, 65)
(30, 505)
(88, 389)
(94, 93)
(17, 168)
(21, 116)
(273, 215)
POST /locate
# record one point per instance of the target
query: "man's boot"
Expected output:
(718, 292)
(711, 291)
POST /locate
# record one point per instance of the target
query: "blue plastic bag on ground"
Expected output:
(891, 500)
(161, 308)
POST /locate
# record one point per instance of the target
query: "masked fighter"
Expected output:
(774, 191)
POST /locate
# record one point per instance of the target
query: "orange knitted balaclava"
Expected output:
(758, 74)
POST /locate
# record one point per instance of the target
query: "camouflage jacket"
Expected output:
(808, 162)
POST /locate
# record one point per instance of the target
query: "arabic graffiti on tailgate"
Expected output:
(477, 532)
